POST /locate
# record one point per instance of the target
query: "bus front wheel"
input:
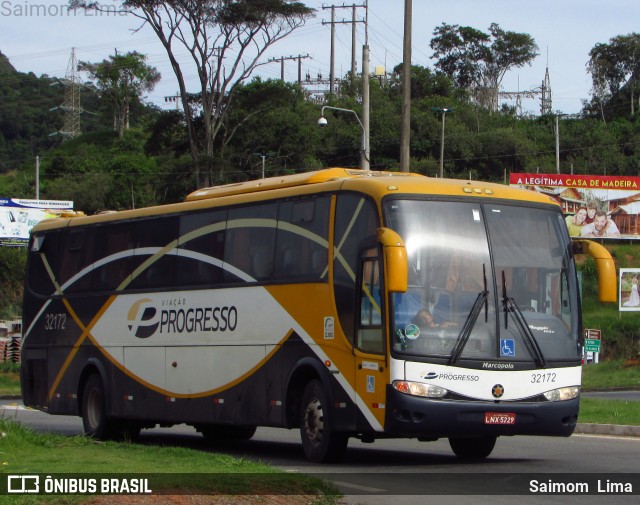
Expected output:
(320, 442)
(472, 448)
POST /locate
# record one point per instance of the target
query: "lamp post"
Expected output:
(444, 111)
(364, 144)
(263, 156)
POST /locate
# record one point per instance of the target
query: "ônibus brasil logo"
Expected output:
(143, 318)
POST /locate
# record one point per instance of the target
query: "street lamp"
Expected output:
(444, 111)
(263, 156)
(364, 142)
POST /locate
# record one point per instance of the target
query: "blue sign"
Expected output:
(507, 347)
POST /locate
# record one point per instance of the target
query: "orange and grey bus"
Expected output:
(343, 303)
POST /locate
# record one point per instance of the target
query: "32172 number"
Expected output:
(55, 321)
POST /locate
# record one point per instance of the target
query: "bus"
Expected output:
(343, 303)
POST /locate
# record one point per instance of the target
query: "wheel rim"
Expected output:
(313, 421)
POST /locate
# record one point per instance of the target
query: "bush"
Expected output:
(12, 267)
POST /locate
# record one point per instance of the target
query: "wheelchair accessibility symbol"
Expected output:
(507, 347)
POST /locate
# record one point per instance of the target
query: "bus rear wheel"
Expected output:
(472, 448)
(94, 409)
(320, 442)
(95, 417)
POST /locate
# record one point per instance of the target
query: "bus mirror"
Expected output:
(395, 260)
(605, 268)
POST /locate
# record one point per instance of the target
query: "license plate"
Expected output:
(499, 418)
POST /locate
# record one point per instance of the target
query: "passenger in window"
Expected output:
(424, 319)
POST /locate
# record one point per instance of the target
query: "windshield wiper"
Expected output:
(511, 308)
(472, 317)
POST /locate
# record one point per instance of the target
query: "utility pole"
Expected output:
(175, 98)
(366, 154)
(282, 59)
(333, 22)
(405, 132)
(37, 177)
(71, 105)
(444, 111)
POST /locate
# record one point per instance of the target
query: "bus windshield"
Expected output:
(486, 281)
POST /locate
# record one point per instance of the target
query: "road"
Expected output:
(613, 395)
(409, 470)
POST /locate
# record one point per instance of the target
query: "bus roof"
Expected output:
(288, 181)
(379, 183)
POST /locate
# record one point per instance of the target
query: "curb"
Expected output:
(618, 430)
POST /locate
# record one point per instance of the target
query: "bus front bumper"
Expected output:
(412, 416)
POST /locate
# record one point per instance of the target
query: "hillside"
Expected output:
(5, 65)
(26, 118)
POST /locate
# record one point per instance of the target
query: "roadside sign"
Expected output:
(592, 334)
(592, 345)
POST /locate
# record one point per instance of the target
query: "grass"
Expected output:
(610, 375)
(9, 379)
(23, 450)
(597, 411)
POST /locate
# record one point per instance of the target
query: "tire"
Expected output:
(95, 418)
(472, 448)
(320, 442)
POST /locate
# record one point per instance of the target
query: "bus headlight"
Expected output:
(558, 395)
(419, 389)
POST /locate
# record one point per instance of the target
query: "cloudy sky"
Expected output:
(38, 35)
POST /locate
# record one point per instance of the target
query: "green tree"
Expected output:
(615, 69)
(226, 40)
(13, 261)
(478, 61)
(272, 119)
(122, 79)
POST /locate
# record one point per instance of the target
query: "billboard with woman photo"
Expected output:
(629, 295)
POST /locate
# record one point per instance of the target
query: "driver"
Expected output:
(424, 319)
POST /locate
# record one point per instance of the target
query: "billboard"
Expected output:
(18, 216)
(598, 206)
(629, 295)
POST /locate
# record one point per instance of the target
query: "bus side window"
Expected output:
(117, 252)
(75, 259)
(356, 223)
(201, 248)
(302, 226)
(370, 334)
(150, 237)
(39, 279)
(250, 241)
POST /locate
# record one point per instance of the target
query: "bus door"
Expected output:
(370, 348)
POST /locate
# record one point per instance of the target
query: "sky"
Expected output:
(38, 35)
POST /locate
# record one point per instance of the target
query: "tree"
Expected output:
(478, 61)
(122, 79)
(226, 40)
(424, 82)
(615, 66)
